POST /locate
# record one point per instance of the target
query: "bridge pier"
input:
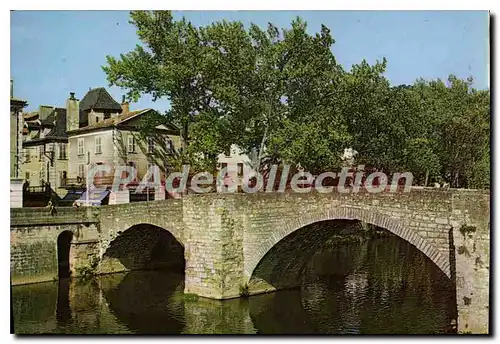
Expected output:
(214, 247)
(472, 299)
(471, 243)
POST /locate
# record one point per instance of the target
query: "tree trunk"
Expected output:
(261, 148)
(184, 136)
(426, 177)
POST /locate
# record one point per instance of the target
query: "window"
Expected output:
(107, 115)
(80, 146)
(41, 177)
(97, 119)
(49, 150)
(81, 170)
(40, 153)
(240, 169)
(131, 144)
(151, 145)
(151, 177)
(98, 145)
(62, 178)
(170, 146)
(62, 152)
(134, 165)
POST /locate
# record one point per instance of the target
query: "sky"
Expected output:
(54, 53)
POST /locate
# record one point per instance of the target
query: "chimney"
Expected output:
(125, 106)
(72, 112)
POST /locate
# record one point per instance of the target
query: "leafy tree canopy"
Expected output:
(281, 93)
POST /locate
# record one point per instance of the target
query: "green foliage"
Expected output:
(87, 273)
(280, 95)
(244, 290)
(189, 297)
(463, 250)
(467, 230)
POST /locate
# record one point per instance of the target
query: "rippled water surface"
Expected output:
(379, 286)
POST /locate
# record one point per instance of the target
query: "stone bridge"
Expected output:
(226, 242)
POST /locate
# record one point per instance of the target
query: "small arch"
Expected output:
(289, 226)
(63, 254)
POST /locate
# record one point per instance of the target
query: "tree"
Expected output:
(240, 84)
(281, 97)
(166, 65)
(457, 118)
(153, 140)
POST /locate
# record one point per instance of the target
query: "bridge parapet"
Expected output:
(43, 216)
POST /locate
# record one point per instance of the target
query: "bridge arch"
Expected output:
(287, 226)
(64, 240)
(142, 246)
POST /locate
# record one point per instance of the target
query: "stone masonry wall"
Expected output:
(213, 250)
(34, 247)
(472, 254)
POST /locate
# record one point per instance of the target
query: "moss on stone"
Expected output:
(463, 250)
(190, 297)
(244, 290)
(467, 230)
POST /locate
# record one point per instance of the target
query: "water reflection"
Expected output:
(378, 286)
(147, 301)
(63, 309)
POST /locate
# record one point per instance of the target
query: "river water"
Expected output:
(377, 286)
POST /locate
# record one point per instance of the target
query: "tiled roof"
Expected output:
(56, 120)
(84, 118)
(30, 115)
(110, 122)
(17, 100)
(58, 117)
(118, 121)
(100, 99)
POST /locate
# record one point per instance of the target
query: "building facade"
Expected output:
(103, 132)
(16, 124)
(60, 144)
(44, 154)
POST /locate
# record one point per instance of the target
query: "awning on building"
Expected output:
(73, 195)
(96, 197)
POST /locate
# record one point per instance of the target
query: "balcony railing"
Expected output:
(71, 182)
(82, 182)
(37, 189)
